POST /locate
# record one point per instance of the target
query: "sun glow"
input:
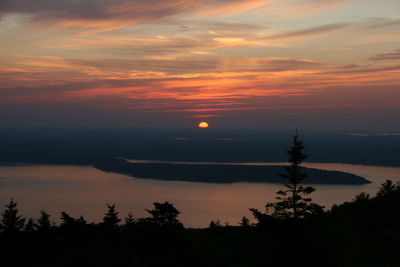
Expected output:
(203, 124)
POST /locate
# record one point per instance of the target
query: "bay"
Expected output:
(84, 190)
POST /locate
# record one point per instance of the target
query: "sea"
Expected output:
(85, 190)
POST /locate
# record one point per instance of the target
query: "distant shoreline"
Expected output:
(252, 163)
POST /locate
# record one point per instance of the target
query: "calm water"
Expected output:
(84, 190)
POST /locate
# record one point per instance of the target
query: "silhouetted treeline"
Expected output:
(362, 232)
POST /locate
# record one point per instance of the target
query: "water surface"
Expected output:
(84, 190)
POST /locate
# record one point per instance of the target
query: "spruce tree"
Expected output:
(293, 201)
(111, 217)
(388, 188)
(10, 220)
(130, 220)
(30, 226)
(43, 223)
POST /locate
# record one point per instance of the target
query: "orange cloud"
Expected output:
(201, 58)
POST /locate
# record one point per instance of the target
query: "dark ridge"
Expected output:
(85, 147)
(220, 173)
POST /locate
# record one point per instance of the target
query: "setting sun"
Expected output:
(203, 124)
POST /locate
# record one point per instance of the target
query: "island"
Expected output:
(222, 173)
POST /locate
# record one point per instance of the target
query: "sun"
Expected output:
(203, 124)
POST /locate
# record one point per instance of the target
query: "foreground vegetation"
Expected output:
(363, 232)
(293, 231)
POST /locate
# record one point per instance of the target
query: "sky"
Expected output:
(271, 64)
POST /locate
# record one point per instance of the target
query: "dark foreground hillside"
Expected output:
(364, 232)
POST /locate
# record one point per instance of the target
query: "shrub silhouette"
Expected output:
(70, 222)
(164, 215)
(215, 224)
(245, 221)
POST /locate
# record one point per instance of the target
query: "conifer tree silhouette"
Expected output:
(111, 217)
(10, 220)
(130, 220)
(43, 223)
(293, 201)
(388, 188)
(30, 226)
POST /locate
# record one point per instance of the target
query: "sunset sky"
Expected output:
(274, 64)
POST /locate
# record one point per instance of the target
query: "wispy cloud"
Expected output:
(292, 9)
(310, 31)
(380, 23)
(198, 59)
(110, 15)
(392, 55)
